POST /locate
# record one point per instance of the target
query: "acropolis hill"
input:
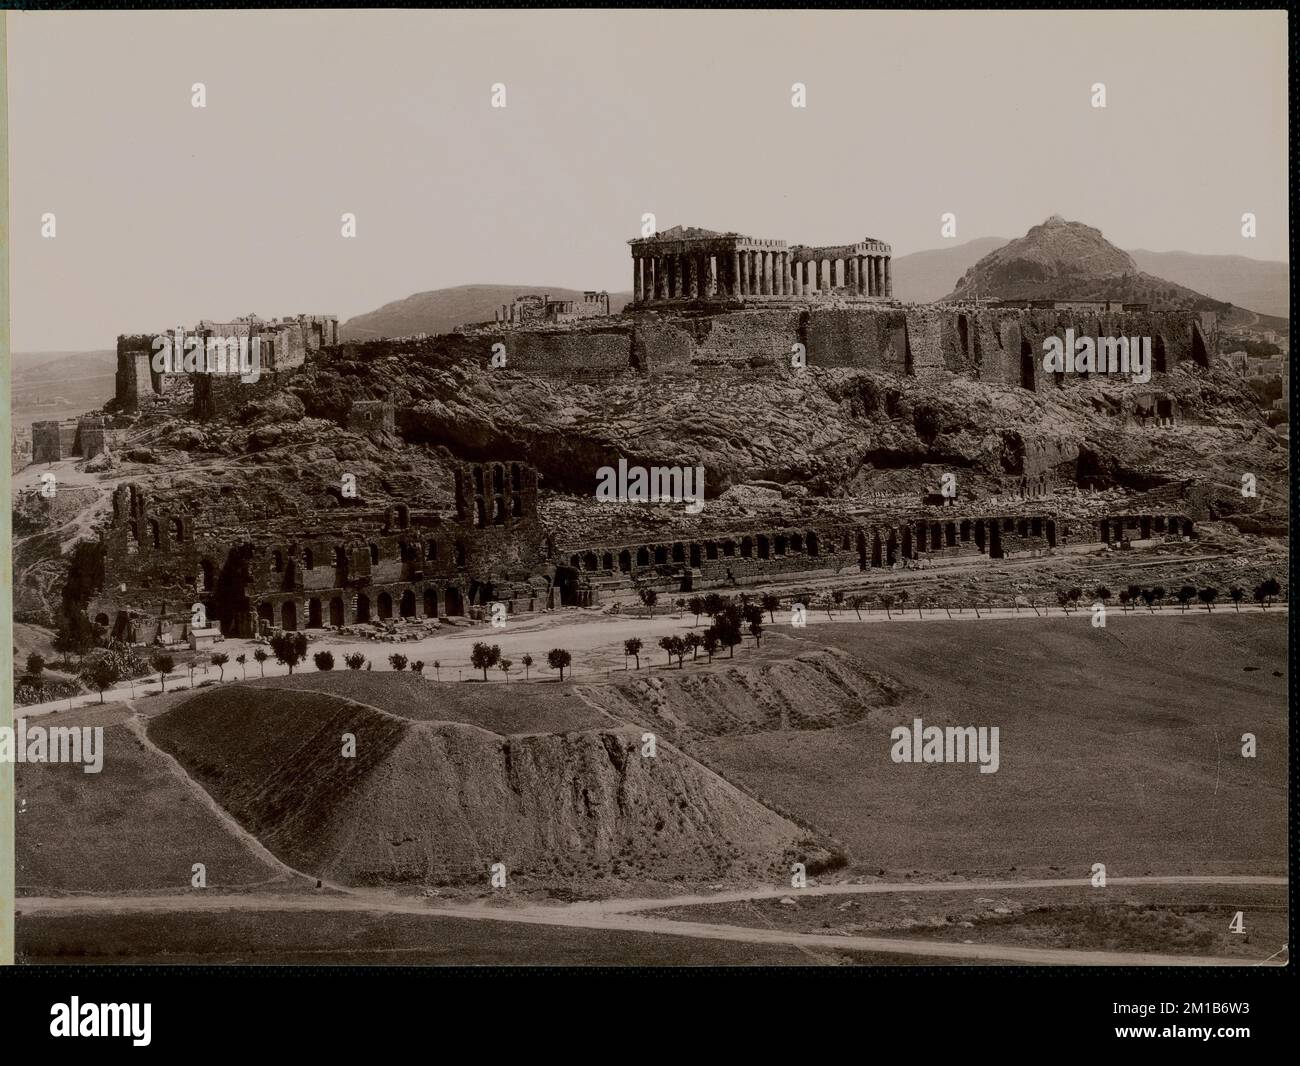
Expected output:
(824, 413)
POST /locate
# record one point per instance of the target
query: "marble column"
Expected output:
(787, 284)
(871, 275)
(637, 295)
(889, 281)
(733, 281)
(880, 275)
(853, 275)
(766, 285)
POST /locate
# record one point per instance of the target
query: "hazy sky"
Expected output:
(167, 213)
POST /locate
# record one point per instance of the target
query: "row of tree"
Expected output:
(1264, 594)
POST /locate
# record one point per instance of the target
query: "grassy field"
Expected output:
(133, 826)
(1119, 745)
(498, 708)
(1167, 919)
(262, 938)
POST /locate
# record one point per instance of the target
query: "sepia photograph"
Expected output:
(647, 488)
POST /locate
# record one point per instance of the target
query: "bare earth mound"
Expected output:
(811, 690)
(440, 802)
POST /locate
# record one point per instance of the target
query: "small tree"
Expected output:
(354, 660)
(632, 646)
(504, 666)
(667, 644)
(756, 631)
(1101, 592)
(527, 660)
(1123, 600)
(1149, 598)
(289, 649)
(1159, 593)
(101, 671)
(559, 659)
(693, 642)
(1207, 596)
(35, 667)
(397, 661)
(219, 660)
(437, 670)
(650, 597)
(770, 603)
(1063, 598)
(695, 605)
(164, 664)
(709, 642)
(1236, 593)
(242, 659)
(324, 660)
(887, 601)
(677, 647)
(1267, 591)
(260, 657)
(713, 603)
(680, 604)
(417, 667)
(1185, 595)
(856, 604)
(485, 656)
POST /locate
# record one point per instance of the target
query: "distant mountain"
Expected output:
(930, 275)
(441, 310)
(1070, 260)
(1263, 285)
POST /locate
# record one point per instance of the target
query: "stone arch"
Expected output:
(643, 556)
(891, 548)
(1028, 368)
(590, 561)
(862, 550)
(625, 561)
(431, 550)
(679, 552)
(407, 608)
(950, 535)
(480, 513)
(607, 561)
(363, 607)
(313, 613)
(746, 547)
(711, 549)
(155, 534)
(277, 561)
(206, 574)
(385, 605)
(920, 537)
(1022, 527)
(289, 616)
(430, 603)
(1051, 533)
(695, 554)
(877, 550)
(374, 552)
(101, 619)
(1159, 358)
(779, 544)
(963, 531)
(266, 613)
(308, 559)
(661, 555)
(453, 602)
(763, 546)
(979, 535)
(728, 548)
(811, 544)
(177, 530)
(336, 611)
(340, 558)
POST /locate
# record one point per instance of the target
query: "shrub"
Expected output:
(324, 660)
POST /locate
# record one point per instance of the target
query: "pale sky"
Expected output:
(167, 213)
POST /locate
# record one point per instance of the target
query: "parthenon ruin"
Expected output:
(687, 263)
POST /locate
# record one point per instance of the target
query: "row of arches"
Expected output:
(695, 553)
(319, 611)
